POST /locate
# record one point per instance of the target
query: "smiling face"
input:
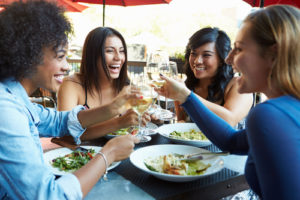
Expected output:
(204, 61)
(50, 73)
(114, 55)
(246, 59)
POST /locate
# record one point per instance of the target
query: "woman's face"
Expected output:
(204, 61)
(54, 67)
(114, 55)
(246, 59)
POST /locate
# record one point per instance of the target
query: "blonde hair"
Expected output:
(279, 25)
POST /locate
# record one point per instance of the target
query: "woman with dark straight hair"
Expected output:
(212, 79)
(103, 74)
(90, 68)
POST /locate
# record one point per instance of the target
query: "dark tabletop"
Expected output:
(223, 183)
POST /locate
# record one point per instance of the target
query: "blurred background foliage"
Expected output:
(164, 26)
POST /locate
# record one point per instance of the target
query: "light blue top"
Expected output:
(23, 172)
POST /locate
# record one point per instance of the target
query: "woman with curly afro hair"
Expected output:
(33, 48)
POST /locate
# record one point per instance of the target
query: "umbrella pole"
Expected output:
(103, 14)
(261, 3)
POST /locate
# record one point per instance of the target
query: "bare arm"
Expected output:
(236, 105)
(116, 149)
(235, 108)
(69, 96)
(128, 119)
(181, 116)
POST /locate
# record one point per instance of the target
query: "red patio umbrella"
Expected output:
(71, 6)
(262, 3)
(123, 3)
(68, 4)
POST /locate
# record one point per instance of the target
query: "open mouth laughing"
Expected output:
(114, 68)
(59, 77)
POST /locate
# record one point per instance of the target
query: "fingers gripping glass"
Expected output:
(141, 105)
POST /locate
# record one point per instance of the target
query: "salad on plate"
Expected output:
(73, 161)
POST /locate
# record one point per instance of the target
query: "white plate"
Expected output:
(149, 126)
(137, 159)
(165, 131)
(50, 155)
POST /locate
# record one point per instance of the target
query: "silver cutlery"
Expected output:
(199, 156)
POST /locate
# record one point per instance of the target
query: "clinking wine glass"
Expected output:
(141, 105)
(158, 62)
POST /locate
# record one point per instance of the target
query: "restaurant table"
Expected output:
(128, 182)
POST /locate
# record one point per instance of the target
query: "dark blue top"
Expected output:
(271, 140)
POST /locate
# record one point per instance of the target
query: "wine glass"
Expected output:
(141, 105)
(173, 69)
(172, 73)
(158, 62)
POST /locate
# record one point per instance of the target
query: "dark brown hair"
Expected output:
(224, 73)
(93, 49)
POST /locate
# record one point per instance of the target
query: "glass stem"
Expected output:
(140, 124)
(158, 101)
(166, 102)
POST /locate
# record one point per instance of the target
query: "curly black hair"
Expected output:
(25, 29)
(224, 73)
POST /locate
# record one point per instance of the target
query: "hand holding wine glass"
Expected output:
(173, 89)
(143, 103)
(158, 62)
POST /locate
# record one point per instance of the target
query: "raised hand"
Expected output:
(125, 94)
(173, 89)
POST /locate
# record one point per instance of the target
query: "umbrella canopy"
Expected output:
(68, 4)
(71, 6)
(262, 3)
(123, 3)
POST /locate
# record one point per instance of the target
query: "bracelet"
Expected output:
(106, 165)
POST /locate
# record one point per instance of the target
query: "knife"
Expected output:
(68, 144)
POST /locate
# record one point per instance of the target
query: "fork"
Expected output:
(199, 156)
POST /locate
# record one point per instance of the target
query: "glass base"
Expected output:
(144, 138)
(165, 115)
(161, 114)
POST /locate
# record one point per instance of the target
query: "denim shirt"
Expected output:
(23, 172)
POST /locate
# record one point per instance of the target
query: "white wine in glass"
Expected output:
(140, 106)
(155, 79)
(158, 62)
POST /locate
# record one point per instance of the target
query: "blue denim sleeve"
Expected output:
(75, 128)
(23, 173)
(71, 191)
(55, 123)
(215, 128)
